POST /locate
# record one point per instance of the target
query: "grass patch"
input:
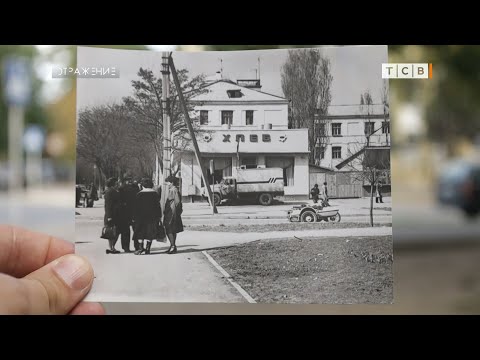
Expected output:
(261, 228)
(348, 270)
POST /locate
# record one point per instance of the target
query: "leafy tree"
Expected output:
(450, 100)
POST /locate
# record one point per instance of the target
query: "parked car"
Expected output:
(459, 186)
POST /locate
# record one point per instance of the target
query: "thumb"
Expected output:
(53, 289)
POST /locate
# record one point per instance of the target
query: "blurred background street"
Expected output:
(435, 124)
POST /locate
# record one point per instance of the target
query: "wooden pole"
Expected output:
(192, 134)
(166, 117)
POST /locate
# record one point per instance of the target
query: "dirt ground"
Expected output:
(349, 270)
(239, 228)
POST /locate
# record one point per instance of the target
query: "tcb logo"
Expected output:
(407, 71)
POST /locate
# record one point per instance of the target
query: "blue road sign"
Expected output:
(34, 139)
(17, 81)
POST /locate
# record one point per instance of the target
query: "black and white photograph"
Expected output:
(235, 176)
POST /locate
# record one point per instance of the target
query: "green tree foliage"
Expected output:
(450, 99)
(34, 113)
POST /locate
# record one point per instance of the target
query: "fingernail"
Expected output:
(74, 271)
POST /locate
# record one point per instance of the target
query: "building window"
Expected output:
(203, 117)
(227, 117)
(369, 128)
(266, 138)
(234, 93)
(249, 117)
(336, 129)
(240, 138)
(386, 127)
(336, 152)
(253, 138)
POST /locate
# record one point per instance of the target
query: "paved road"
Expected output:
(413, 223)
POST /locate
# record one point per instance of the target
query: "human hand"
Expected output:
(40, 274)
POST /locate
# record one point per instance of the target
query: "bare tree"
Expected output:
(306, 83)
(146, 106)
(368, 165)
(366, 109)
(384, 96)
(108, 137)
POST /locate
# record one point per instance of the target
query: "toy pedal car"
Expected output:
(313, 213)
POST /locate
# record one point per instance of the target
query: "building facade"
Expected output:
(241, 126)
(348, 129)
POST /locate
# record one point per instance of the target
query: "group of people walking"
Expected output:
(153, 214)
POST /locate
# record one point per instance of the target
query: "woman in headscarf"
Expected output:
(172, 210)
(146, 217)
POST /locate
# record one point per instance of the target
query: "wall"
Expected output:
(301, 177)
(281, 141)
(276, 114)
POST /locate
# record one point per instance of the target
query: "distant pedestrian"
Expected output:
(93, 192)
(378, 195)
(315, 192)
(325, 194)
(78, 195)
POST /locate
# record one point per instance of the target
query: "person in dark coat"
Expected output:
(127, 202)
(112, 205)
(147, 214)
(78, 195)
(378, 194)
(315, 192)
(93, 192)
(172, 210)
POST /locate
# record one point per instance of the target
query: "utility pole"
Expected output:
(166, 115)
(192, 134)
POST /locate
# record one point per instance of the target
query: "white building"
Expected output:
(259, 121)
(346, 128)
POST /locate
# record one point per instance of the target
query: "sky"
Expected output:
(354, 69)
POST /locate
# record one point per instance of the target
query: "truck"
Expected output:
(260, 185)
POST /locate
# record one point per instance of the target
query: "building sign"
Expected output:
(266, 138)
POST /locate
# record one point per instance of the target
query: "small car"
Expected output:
(459, 185)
